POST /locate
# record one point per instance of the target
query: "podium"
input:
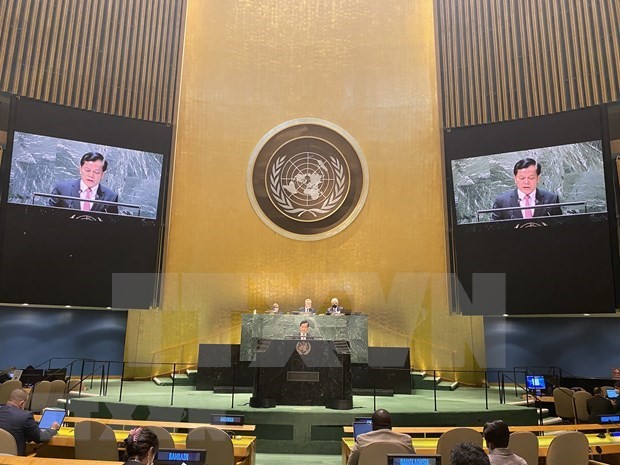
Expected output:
(302, 372)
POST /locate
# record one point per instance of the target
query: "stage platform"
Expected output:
(299, 429)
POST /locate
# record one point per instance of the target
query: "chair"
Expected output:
(564, 403)
(163, 436)
(525, 445)
(58, 389)
(95, 441)
(217, 443)
(7, 387)
(39, 395)
(568, 448)
(455, 436)
(376, 453)
(7, 443)
(581, 408)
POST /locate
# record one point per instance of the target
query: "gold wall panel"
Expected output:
(508, 59)
(111, 56)
(366, 66)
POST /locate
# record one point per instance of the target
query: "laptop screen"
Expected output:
(180, 456)
(50, 416)
(414, 459)
(361, 427)
(611, 394)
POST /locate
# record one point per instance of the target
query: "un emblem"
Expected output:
(307, 179)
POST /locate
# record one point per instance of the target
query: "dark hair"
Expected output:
(526, 163)
(617, 385)
(94, 156)
(305, 321)
(597, 390)
(496, 433)
(468, 454)
(381, 419)
(139, 442)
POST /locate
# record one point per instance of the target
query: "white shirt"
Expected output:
(522, 201)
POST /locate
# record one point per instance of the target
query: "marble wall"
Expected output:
(352, 328)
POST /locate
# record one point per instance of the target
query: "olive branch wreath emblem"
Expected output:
(283, 201)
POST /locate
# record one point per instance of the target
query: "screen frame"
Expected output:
(48, 119)
(530, 133)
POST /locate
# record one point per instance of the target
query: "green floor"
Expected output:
(300, 429)
(288, 459)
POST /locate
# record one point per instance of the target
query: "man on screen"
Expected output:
(88, 188)
(526, 173)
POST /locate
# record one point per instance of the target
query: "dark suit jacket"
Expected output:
(72, 188)
(330, 310)
(511, 199)
(598, 405)
(303, 310)
(20, 423)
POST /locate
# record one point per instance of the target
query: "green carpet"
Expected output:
(300, 429)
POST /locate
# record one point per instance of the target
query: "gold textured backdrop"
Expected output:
(366, 66)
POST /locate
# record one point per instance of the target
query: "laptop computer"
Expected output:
(611, 394)
(51, 415)
(413, 459)
(180, 457)
(361, 427)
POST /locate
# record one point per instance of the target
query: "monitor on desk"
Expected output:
(413, 459)
(535, 383)
(361, 427)
(609, 418)
(180, 456)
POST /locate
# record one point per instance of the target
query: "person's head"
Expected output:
(617, 386)
(308, 303)
(381, 419)
(142, 445)
(597, 391)
(496, 434)
(526, 173)
(334, 302)
(304, 326)
(468, 454)
(17, 398)
(92, 167)
(275, 307)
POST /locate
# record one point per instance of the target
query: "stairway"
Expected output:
(185, 378)
(422, 380)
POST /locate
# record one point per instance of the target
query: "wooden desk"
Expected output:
(15, 460)
(608, 445)
(129, 424)
(244, 446)
(437, 430)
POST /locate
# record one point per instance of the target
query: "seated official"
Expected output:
(335, 308)
(275, 308)
(381, 432)
(468, 454)
(598, 404)
(616, 401)
(307, 308)
(141, 446)
(20, 423)
(497, 435)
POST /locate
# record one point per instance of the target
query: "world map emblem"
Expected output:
(307, 179)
